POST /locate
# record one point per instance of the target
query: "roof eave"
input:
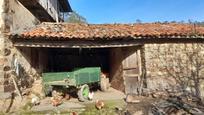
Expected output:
(65, 5)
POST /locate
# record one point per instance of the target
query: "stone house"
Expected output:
(132, 55)
(16, 15)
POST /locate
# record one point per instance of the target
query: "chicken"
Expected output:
(99, 104)
(67, 97)
(74, 113)
(35, 100)
(57, 93)
(103, 75)
(91, 94)
(56, 101)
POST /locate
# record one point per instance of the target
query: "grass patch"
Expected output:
(109, 108)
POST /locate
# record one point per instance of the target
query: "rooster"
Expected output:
(99, 104)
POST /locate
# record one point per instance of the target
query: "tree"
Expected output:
(138, 21)
(185, 64)
(199, 23)
(75, 18)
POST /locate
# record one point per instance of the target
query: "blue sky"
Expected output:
(128, 11)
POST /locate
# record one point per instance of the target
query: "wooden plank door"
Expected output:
(132, 71)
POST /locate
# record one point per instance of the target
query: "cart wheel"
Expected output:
(83, 93)
(104, 84)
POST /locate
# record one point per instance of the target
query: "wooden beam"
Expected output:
(49, 43)
(28, 2)
(73, 45)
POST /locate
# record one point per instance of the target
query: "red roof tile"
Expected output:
(62, 31)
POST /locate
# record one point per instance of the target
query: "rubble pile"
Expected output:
(165, 102)
(178, 105)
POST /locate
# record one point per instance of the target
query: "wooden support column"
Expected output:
(143, 65)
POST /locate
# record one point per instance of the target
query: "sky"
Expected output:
(128, 11)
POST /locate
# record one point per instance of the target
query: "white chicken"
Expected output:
(90, 96)
(35, 100)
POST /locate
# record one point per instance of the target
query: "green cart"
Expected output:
(79, 79)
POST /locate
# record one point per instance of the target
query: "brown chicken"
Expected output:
(99, 104)
(74, 113)
(56, 102)
(67, 97)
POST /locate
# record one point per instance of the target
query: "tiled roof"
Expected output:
(66, 31)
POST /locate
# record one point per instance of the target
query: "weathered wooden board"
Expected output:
(131, 84)
(131, 70)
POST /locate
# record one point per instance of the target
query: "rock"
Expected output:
(37, 88)
(7, 68)
(132, 99)
(7, 52)
(139, 113)
(118, 109)
(26, 92)
(4, 95)
(146, 92)
(159, 94)
(196, 111)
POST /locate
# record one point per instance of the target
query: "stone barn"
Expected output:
(136, 57)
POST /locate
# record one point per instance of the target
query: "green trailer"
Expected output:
(79, 79)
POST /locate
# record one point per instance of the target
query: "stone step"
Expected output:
(4, 95)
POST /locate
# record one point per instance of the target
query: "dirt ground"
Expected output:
(113, 100)
(114, 105)
(142, 107)
(73, 103)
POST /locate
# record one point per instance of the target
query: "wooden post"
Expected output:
(15, 84)
(143, 78)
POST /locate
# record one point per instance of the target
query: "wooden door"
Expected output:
(132, 70)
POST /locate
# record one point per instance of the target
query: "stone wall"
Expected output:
(174, 66)
(2, 26)
(20, 17)
(14, 18)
